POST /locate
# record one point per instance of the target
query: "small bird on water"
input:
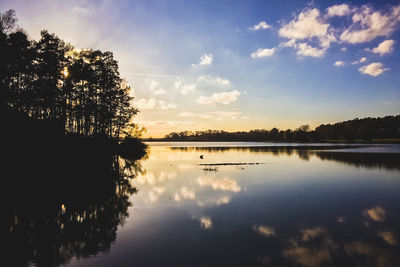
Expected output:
(201, 156)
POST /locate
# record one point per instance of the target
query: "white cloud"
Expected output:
(339, 64)
(338, 10)
(153, 103)
(369, 24)
(187, 115)
(219, 115)
(160, 92)
(308, 25)
(167, 124)
(266, 52)
(325, 41)
(304, 49)
(233, 115)
(214, 80)
(146, 103)
(383, 48)
(225, 114)
(221, 98)
(373, 69)
(154, 85)
(164, 105)
(222, 81)
(290, 43)
(205, 60)
(188, 88)
(185, 88)
(362, 60)
(343, 49)
(260, 26)
(193, 115)
(178, 84)
(155, 88)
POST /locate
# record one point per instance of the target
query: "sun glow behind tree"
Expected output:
(51, 80)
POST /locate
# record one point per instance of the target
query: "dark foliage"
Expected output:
(368, 128)
(64, 189)
(50, 80)
(63, 201)
(126, 145)
(358, 129)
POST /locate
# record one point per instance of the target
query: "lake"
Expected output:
(224, 204)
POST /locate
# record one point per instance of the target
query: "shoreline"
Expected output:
(373, 141)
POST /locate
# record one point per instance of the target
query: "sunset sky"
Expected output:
(238, 65)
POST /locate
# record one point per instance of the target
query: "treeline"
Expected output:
(78, 90)
(365, 129)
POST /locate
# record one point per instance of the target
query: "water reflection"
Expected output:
(301, 207)
(368, 160)
(206, 223)
(317, 247)
(224, 184)
(390, 161)
(377, 214)
(59, 214)
(264, 230)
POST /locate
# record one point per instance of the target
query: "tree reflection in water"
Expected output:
(72, 208)
(67, 209)
(390, 161)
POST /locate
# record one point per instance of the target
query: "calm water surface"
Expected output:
(242, 204)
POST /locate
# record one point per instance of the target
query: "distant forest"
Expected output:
(367, 129)
(65, 90)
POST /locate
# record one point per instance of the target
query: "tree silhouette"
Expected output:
(77, 91)
(8, 21)
(49, 225)
(63, 111)
(358, 129)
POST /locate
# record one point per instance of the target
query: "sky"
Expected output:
(238, 65)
